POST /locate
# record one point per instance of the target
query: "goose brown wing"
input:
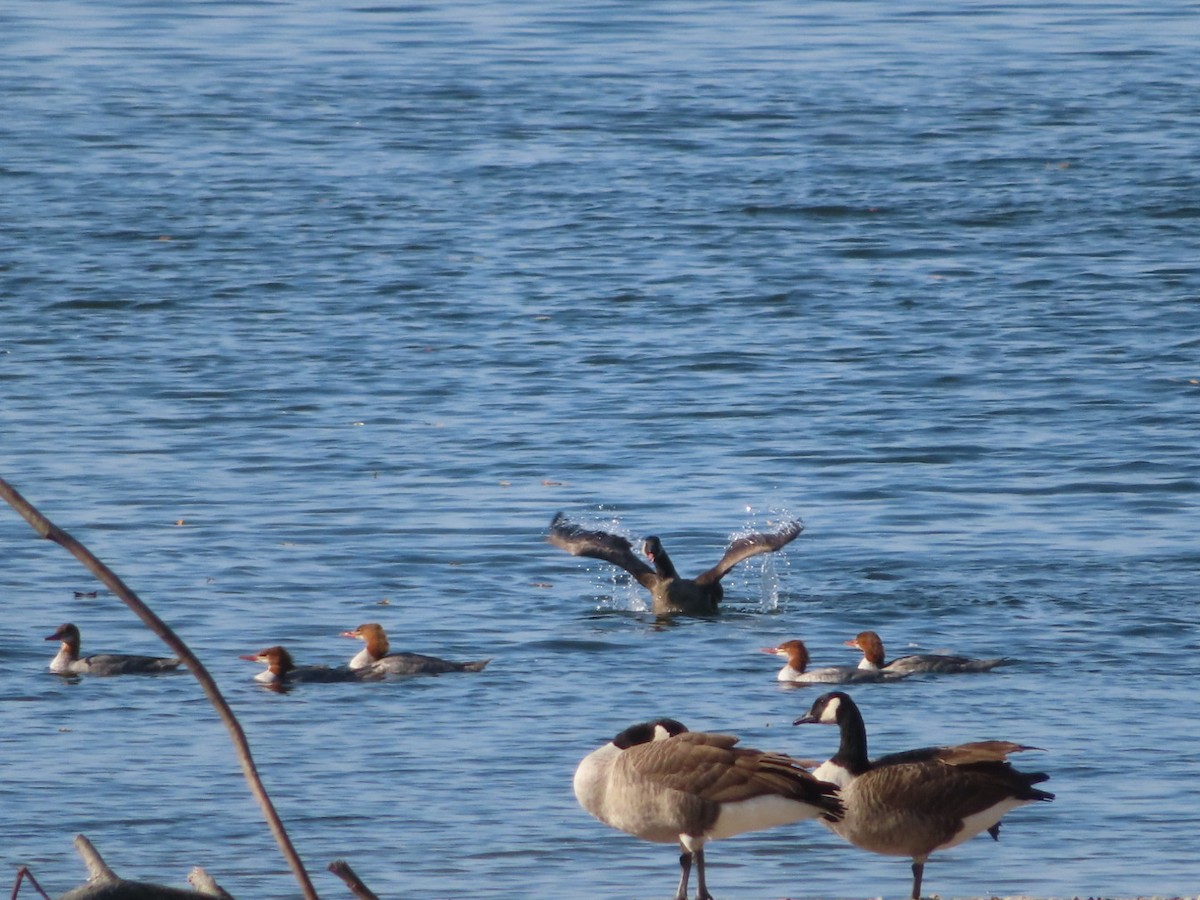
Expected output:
(752, 545)
(980, 751)
(710, 767)
(956, 755)
(934, 797)
(612, 548)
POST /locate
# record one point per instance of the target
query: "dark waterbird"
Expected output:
(672, 595)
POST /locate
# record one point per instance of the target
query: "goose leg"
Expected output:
(685, 869)
(918, 872)
(701, 887)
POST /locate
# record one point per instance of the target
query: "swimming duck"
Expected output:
(68, 662)
(281, 669)
(375, 656)
(796, 669)
(873, 659)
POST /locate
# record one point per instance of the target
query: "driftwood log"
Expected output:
(104, 884)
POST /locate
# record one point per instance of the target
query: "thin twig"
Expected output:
(23, 872)
(50, 531)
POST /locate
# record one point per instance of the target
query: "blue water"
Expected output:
(315, 314)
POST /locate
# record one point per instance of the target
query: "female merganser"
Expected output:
(375, 656)
(873, 659)
(281, 669)
(918, 801)
(796, 668)
(660, 782)
(68, 662)
(671, 594)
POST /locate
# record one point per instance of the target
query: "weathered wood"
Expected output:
(104, 884)
(129, 890)
(342, 870)
(98, 870)
(206, 884)
(50, 531)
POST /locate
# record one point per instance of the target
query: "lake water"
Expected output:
(314, 314)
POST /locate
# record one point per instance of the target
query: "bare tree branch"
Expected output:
(50, 531)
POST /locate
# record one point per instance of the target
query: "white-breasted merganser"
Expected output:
(281, 669)
(916, 802)
(873, 659)
(671, 594)
(68, 661)
(660, 782)
(796, 669)
(376, 656)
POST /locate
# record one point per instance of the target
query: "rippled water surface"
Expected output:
(315, 314)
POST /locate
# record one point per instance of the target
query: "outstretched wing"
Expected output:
(752, 545)
(612, 548)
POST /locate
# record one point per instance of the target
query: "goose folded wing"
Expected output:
(710, 767)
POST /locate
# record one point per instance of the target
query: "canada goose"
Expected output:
(68, 661)
(375, 656)
(671, 594)
(873, 659)
(796, 668)
(918, 801)
(660, 782)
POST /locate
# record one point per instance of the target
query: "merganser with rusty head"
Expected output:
(376, 657)
(916, 802)
(796, 670)
(670, 593)
(874, 661)
(282, 669)
(68, 661)
(660, 782)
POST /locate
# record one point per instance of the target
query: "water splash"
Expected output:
(765, 576)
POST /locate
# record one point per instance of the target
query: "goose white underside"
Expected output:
(761, 812)
(981, 821)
